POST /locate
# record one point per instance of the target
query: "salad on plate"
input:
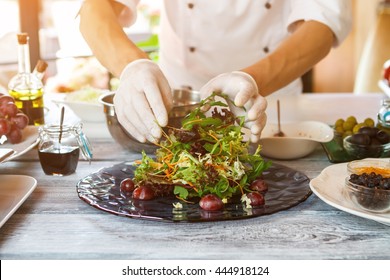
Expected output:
(206, 161)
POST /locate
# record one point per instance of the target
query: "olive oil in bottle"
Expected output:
(25, 87)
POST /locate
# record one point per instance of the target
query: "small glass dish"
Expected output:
(368, 184)
(368, 198)
(365, 151)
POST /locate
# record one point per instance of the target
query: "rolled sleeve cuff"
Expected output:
(336, 14)
(132, 5)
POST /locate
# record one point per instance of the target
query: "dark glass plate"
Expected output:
(287, 188)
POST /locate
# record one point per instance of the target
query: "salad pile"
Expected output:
(206, 158)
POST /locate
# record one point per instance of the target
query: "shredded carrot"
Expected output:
(182, 199)
(156, 165)
(385, 172)
(168, 157)
(219, 142)
(216, 166)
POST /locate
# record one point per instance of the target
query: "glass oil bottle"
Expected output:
(25, 87)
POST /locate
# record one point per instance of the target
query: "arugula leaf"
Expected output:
(181, 192)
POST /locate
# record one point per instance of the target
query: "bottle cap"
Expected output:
(22, 38)
(41, 66)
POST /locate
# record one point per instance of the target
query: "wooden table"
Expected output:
(53, 223)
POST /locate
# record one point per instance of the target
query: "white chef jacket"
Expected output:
(200, 39)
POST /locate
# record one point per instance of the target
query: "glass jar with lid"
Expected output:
(59, 148)
(384, 116)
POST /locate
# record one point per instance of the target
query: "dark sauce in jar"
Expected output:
(59, 162)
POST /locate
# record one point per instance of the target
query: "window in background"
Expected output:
(59, 41)
(9, 14)
(75, 66)
(59, 27)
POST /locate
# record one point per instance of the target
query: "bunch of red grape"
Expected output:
(12, 120)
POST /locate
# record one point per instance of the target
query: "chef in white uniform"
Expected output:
(247, 49)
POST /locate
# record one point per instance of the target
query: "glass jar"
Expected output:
(384, 116)
(59, 148)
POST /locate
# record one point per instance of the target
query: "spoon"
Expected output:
(279, 133)
(5, 153)
(61, 123)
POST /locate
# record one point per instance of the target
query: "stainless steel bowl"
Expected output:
(184, 101)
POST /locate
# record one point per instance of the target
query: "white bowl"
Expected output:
(85, 104)
(301, 139)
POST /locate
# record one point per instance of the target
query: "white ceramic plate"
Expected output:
(29, 141)
(329, 185)
(301, 138)
(14, 190)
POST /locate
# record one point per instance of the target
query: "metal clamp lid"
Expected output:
(84, 144)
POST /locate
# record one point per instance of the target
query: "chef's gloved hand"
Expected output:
(143, 100)
(242, 89)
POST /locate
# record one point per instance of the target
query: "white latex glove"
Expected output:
(143, 100)
(242, 89)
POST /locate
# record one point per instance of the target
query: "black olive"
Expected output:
(360, 139)
(382, 137)
(370, 131)
(375, 142)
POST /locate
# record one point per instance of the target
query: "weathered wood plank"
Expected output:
(53, 223)
(287, 235)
